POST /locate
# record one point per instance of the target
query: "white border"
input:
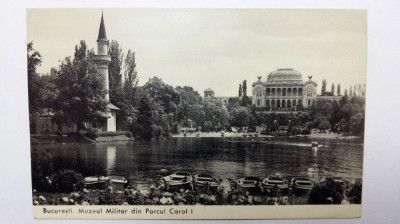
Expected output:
(382, 151)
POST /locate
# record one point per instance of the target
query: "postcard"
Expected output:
(196, 113)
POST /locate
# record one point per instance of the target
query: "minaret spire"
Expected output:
(102, 29)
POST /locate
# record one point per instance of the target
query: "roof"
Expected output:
(284, 75)
(102, 30)
(208, 90)
(112, 107)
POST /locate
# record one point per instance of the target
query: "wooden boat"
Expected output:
(204, 182)
(301, 185)
(95, 182)
(275, 185)
(178, 181)
(117, 183)
(248, 184)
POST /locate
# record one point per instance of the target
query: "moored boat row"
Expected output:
(272, 185)
(114, 183)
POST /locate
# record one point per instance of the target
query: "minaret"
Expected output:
(102, 58)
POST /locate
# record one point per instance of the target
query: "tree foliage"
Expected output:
(80, 99)
(323, 88)
(115, 69)
(244, 87)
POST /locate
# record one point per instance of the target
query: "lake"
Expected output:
(142, 161)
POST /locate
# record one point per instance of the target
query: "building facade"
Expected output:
(284, 89)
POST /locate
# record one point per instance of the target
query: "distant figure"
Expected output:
(164, 170)
(315, 150)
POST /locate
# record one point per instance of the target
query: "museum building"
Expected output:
(283, 89)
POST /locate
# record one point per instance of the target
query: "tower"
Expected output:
(102, 60)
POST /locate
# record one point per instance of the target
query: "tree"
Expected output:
(131, 79)
(345, 92)
(246, 101)
(144, 122)
(189, 98)
(244, 87)
(81, 97)
(338, 90)
(240, 90)
(351, 91)
(34, 86)
(323, 88)
(115, 68)
(333, 89)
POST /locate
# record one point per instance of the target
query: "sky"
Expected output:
(214, 48)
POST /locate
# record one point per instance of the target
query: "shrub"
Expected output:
(67, 181)
(42, 167)
(354, 195)
(326, 192)
(108, 198)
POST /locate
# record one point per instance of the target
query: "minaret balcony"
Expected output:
(102, 59)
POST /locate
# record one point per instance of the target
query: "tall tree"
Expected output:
(34, 86)
(244, 87)
(240, 90)
(115, 67)
(323, 88)
(351, 91)
(130, 75)
(338, 90)
(333, 89)
(80, 99)
(143, 127)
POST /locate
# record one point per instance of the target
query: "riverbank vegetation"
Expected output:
(73, 94)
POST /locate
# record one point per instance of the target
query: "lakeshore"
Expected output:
(254, 134)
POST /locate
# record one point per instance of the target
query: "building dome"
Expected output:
(208, 91)
(284, 75)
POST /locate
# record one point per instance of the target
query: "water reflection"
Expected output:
(111, 157)
(223, 158)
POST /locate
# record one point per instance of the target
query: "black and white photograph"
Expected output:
(143, 113)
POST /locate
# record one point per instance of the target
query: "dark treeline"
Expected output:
(73, 93)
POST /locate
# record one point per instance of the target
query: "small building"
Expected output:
(44, 125)
(209, 93)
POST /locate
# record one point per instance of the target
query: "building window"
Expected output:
(258, 102)
(278, 103)
(267, 102)
(258, 93)
(272, 103)
(289, 103)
